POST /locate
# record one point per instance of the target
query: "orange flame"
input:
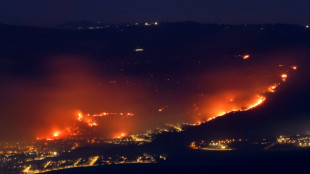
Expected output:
(284, 77)
(120, 135)
(294, 67)
(247, 56)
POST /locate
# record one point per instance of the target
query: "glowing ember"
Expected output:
(130, 114)
(198, 123)
(294, 67)
(86, 119)
(247, 56)
(259, 101)
(284, 77)
(80, 117)
(272, 88)
(104, 114)
(55, 134)
(120, 135)
(221, 113)
(162, 108)
(91, 124)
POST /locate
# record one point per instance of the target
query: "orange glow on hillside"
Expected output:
(272, 88)
(89, 120)
(233, 104)
(120, 135)
(86, 119)
(217, 95)
(259, 101)
(80, 116)
(56, 134)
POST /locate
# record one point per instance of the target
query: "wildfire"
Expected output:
(230, 102)
(247, 56)
(80, 116)
(56, 134)
(88, 119)
(259, 101)
(91, 124)
(284, 77)
(273, 88)
(121, 135)
(294, 67)
(162, 108)
(105, 114)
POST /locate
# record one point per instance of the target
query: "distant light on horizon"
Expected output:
(138, 50)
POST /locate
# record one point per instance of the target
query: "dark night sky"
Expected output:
(53, 12)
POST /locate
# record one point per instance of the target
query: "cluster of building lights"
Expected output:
(298, 141)
(222, 145)
(54, 165)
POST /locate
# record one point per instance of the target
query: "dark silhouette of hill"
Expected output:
(171, 47)
(207, 162)
(164, 45)
(80, 24)
(191, 40)
(285, 112)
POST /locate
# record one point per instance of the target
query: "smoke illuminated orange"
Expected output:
(219, 93)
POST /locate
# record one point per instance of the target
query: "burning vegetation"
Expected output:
(136, 99)
(221, 92)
